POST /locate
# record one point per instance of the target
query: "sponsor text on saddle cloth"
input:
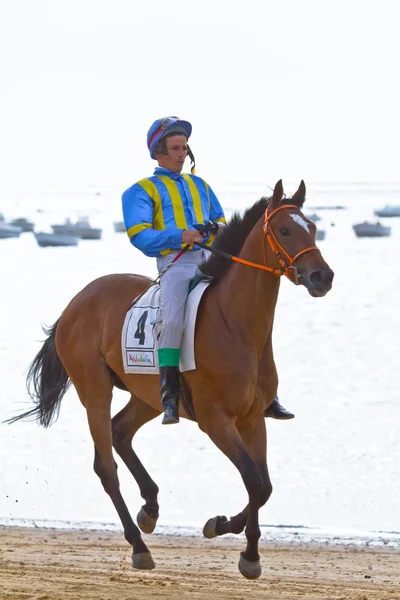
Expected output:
(142, 327)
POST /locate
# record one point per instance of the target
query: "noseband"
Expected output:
(285, 260)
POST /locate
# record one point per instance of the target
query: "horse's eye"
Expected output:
(284, 231)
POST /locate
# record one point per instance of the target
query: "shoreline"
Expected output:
(53, 564)
(284, 534)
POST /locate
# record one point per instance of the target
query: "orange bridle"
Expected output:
(287, 267)
(285, 260)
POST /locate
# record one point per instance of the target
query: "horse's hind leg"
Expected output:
(124, 426)
(95, 392)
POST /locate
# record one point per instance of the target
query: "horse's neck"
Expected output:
(248, 295)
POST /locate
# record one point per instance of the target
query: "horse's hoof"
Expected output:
(143, 561)
(250, 570)
(209, 529)
(146, 523)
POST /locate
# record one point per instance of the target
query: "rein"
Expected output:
(287, 267)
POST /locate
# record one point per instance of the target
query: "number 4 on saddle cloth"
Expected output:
(142, 327)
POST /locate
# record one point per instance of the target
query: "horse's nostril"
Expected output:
(322, 276)
(316, 277)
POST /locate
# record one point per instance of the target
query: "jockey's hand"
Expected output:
(215, 228)
(192, 237)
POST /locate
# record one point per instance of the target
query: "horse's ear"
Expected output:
(277, 195)
(299, 196)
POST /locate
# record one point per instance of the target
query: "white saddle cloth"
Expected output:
(142, 327)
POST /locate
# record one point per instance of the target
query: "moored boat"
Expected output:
(388, 211)
(313, 217)
(81, 229)
(119, 227)
(55, 239)
(7, 230)
(368, 229)
(25, 224)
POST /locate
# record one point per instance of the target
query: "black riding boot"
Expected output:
(170, 387)
(277, 411)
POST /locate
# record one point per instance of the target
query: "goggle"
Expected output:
(168, 121)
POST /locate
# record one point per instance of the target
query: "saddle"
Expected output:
(142, 328)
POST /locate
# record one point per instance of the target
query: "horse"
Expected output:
(235, 379)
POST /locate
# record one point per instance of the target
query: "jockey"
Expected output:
(164, 213)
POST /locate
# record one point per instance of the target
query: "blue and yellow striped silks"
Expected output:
(157, 209)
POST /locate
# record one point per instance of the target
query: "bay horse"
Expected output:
(235, 379)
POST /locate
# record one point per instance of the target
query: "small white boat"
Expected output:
(55, 239)
(388, 211)
(81, 228)
(119, 227)
(25, 224)
(314, 217)
(336, 207)
(368, 229)
(7, 230)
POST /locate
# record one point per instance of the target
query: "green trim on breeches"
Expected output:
(168, 357)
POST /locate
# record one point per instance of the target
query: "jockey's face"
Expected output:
(176, 146)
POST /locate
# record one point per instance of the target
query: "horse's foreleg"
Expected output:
(124, 426)
(255, 440)
(227, 438)
(236, 524)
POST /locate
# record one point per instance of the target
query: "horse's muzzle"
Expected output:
(318, 282)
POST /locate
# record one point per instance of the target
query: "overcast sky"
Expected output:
(284, 88)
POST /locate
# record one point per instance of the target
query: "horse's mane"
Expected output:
(233, 236)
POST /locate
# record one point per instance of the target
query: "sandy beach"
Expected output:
(50, 564)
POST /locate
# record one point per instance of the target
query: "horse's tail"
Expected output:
(46, 382)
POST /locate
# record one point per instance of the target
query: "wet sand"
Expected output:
(49, 564)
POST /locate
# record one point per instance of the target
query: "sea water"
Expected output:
(334, 468)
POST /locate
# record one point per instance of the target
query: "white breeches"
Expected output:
(174, 287)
